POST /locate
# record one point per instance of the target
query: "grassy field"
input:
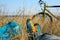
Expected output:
(47, 27)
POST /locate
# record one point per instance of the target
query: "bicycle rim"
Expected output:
(39, 16)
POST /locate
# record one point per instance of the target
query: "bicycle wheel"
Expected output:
(38, 18)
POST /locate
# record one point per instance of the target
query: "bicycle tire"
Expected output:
(42, 13)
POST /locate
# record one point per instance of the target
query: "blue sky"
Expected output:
(31, 5)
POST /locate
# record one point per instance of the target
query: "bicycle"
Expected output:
(44, 15)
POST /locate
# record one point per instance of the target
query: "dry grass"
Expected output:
(53, 28)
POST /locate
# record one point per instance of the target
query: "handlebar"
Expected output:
(41, 2)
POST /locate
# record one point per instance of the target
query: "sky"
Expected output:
(31, 5)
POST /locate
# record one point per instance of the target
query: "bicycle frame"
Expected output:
(45, 9)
